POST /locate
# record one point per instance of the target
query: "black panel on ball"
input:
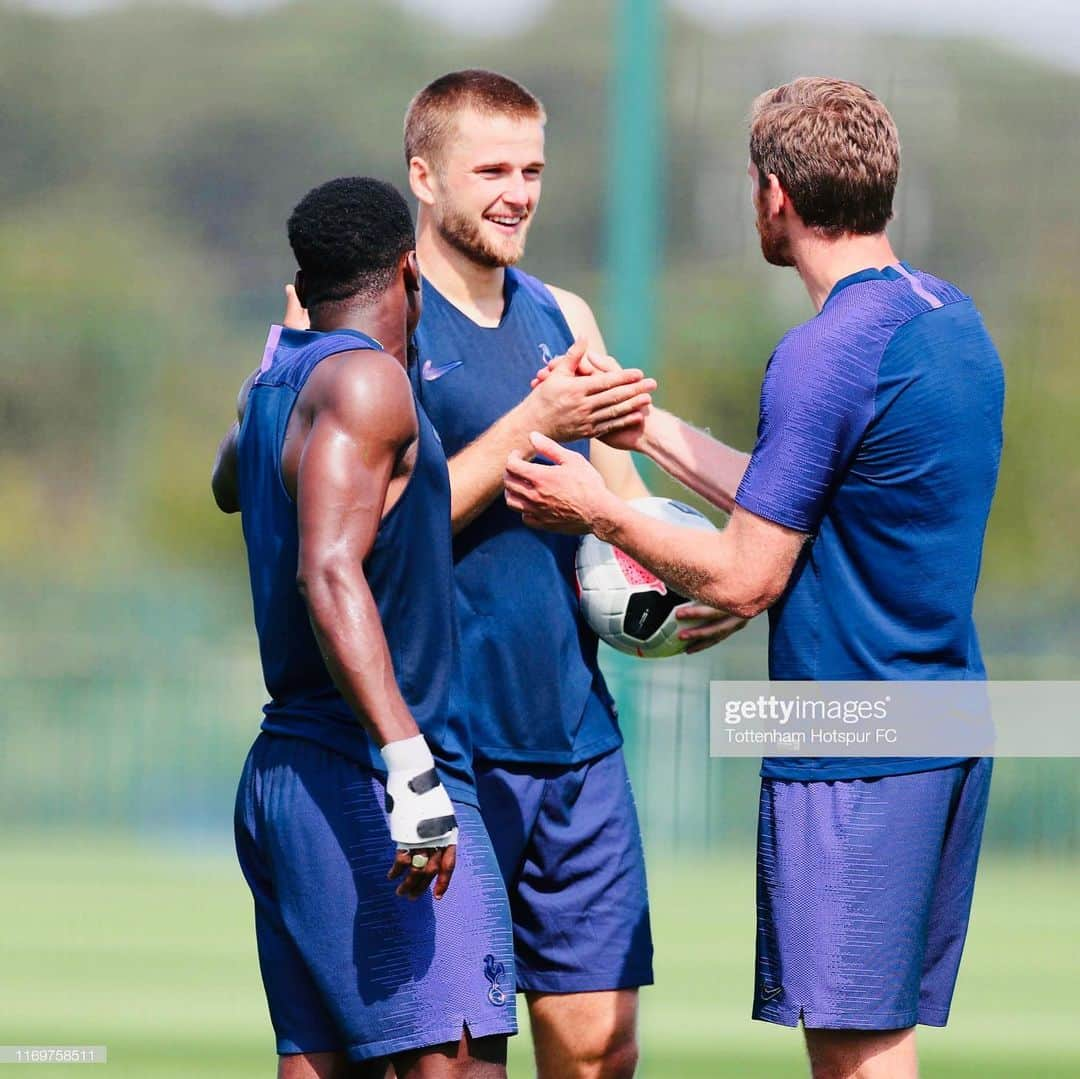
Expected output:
(646, 612)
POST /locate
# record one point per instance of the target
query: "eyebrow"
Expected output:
(505, 165)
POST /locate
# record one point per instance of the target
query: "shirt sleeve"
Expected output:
(816, 401)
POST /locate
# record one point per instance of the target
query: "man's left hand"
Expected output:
(706, 626)
(564, 496)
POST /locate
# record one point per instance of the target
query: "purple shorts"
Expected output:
(864, 891)
(347, 965)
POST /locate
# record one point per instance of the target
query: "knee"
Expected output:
(621, 1061)
(614, 1057)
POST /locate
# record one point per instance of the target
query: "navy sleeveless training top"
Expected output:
(528, 668)
(409, 571)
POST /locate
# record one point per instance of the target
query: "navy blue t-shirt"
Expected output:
(409, 571)
(528, 676)
(880, 436)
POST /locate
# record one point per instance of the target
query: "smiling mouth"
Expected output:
(508, 223)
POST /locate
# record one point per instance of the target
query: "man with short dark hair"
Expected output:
(551, 776)
(342, 487)
(858, 521)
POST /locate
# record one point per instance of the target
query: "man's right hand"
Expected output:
(567, 405)
(296, 316)
(589, 364)
(422, 820)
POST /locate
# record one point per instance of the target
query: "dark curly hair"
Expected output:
(348, 237)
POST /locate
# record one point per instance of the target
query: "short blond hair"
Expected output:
(835, 150)
(429, 120)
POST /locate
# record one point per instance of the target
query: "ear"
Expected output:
(776, 198)
(422, 181)
(410, 270)
(299, 285)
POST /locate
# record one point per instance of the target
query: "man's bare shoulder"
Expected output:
(569, 302)
(579, 316)
(367, 392)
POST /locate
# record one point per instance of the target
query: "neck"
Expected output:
(383, 320)
(474, 289)
(822, 262)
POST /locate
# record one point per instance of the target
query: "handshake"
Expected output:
(580, 394)
(584, 394)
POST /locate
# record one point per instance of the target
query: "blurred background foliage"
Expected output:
(151, 155)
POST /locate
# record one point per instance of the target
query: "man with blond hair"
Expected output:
(552, 780)
(858, 522)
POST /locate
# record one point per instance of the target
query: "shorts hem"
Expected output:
(288, 1048)
(933, 1017)
(594, 982)
(422, 1040)
(815, 1020)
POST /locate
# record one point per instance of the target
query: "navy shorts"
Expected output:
(569, 846)
(347, 965)
(864, 890)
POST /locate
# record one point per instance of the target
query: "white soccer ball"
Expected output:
(623, 603)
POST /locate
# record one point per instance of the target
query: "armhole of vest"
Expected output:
(543, 295)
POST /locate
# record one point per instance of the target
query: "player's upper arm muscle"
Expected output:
(363, 418)
(764, 555)
(242, 396)
(815, 408)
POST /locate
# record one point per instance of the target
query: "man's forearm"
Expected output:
(694, 458)
(476, 472)
(350, 635)
(708, 568)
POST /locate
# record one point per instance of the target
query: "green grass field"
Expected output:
(151, 952)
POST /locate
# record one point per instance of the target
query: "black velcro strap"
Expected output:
(433, 826)
(389, 802)
(424, 782)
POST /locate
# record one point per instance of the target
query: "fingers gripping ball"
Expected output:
(623, 603)
(420, 811)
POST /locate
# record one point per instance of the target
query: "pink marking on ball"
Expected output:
(636, 573)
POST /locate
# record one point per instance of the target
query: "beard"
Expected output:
(775, 244)
(464, 234)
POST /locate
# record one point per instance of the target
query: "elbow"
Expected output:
(748, 599)
(317, 580)
(224, 495)
(312, 584)
(751, 608)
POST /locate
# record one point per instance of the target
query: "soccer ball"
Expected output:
(623, 603)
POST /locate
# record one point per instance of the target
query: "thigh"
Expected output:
(580, 900)
(870, 1054)
(469, 1058)
(571, 1030)
(846, 877)
(331, 1066)
(954, 889)
(395, 975)
(307, 1034)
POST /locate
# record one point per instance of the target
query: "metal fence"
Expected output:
(147, 731)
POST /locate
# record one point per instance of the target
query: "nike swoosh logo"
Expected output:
(429, 372)
(770, 994)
